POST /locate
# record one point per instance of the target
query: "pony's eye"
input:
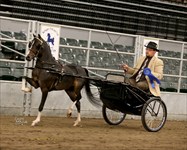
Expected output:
(38, 46)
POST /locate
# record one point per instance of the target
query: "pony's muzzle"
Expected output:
(28, 58)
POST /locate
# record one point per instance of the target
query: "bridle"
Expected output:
(32, 52)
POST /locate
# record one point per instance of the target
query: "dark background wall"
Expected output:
(161, 19)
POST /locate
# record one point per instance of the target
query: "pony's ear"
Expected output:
(39, 36)
(34, 35)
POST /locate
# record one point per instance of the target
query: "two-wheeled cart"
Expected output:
(120, 99)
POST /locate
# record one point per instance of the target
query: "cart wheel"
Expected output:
(154, 114)
(112, 117)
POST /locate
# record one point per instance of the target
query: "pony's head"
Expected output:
(35, 47)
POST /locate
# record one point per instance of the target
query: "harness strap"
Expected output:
(39, 40)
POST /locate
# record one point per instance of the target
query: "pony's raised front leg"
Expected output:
(69, 113)
(38, 119)
(78, 105)
(31, 82)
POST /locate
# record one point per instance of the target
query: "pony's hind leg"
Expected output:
(78, 105)
(75, 98)
(69, 113)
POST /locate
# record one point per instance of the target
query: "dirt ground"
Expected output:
(58, 133)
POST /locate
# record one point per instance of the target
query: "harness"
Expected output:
(55, 67)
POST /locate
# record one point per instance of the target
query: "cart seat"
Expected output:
(115, 77)
(121, 78)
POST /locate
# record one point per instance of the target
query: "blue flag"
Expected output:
(148, 73)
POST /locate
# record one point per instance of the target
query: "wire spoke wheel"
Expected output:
(112, 117)
(154, 114)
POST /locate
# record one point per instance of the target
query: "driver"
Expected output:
(155, 64)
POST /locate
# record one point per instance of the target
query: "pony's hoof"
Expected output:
(33, 124)
(26, 89)
(69, 115)
(77, 124)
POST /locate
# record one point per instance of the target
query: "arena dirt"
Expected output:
(93, 134)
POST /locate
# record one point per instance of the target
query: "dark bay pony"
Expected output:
(43, 77)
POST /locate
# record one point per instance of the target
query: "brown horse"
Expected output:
(47, 74)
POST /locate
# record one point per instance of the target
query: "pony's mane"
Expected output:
(46, 47)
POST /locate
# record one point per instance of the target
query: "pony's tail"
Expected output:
(92, 99)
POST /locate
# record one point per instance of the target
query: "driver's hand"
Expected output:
(125, 67)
